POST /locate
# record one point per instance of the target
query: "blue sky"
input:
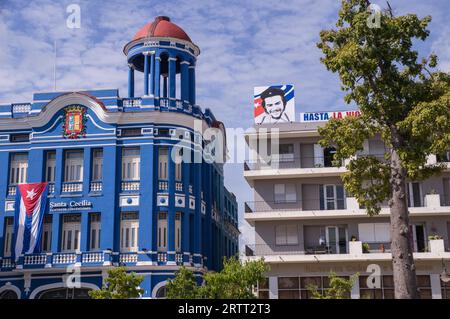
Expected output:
(243, 44)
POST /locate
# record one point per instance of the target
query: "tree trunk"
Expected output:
(403, 266)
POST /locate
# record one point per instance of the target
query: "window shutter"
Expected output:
(280, 235)
(291, 195)
(340, 196)
(318, 155)
(292, 234)
(321, 197)
(279, 192)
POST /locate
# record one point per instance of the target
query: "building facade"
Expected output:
(307, 226)
(128, 183)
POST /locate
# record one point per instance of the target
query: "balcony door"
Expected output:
(419, 237)
(9, 230)
(71, 233)
(129, 231)
(336, 238)
(73, 170)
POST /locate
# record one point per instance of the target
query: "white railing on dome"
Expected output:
(40, 259)
(64, 258)
(132, 102)
(21, 108)
(131, 185)
(96, 187)
(128, 258)
(162, 257)
(164, 102)
(72, 187)
(12, 190)
(93, 257)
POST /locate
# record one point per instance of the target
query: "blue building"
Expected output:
(124, 185)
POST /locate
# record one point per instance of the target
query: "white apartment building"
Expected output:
(307, 226)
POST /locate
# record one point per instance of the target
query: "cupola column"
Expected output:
(156, 78)
(152, 73)
(164, 86)
(146, 65)
(130, 81)
(184, 65)
(172, 76)
(192, 84)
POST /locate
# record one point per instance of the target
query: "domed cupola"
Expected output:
(166, 56)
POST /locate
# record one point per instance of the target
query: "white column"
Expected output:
(436, 292)
(273, 287)
(354, 294)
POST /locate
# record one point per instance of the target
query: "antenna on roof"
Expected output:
(54, 67)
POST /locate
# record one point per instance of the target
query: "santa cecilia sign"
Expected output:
(325, 116)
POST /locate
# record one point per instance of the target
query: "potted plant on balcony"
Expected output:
(436, 243)
(432, 198)
(365, 248)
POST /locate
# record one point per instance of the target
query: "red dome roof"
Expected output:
(161, 27)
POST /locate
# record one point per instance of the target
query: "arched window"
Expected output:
(164, 75)
(8, 294)
(161, 293)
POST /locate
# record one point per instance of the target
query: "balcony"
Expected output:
(292, 167)
(130, 186)
(288, 166)
(12, 189)
(72, 187)
(271, 211)
(379, 251)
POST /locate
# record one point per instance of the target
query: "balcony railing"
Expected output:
(51, 188)
(93, 257)
(131, 102)
(163, 185)
(21, 108)
(128, 258)
(96, 187)
(64, 258)
(7, 262)
(179, 187)
(12, 190)
(294, 205)
(130, 186)
(288, 161)
(37, 259)
(162, 257)
(179, 258)
(72, 187)
(164, 102)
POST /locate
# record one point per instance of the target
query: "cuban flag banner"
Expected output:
(31, 200)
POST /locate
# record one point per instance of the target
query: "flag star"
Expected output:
(31, 194)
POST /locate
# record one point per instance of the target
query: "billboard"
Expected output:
(274, 104)
(325, 116)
